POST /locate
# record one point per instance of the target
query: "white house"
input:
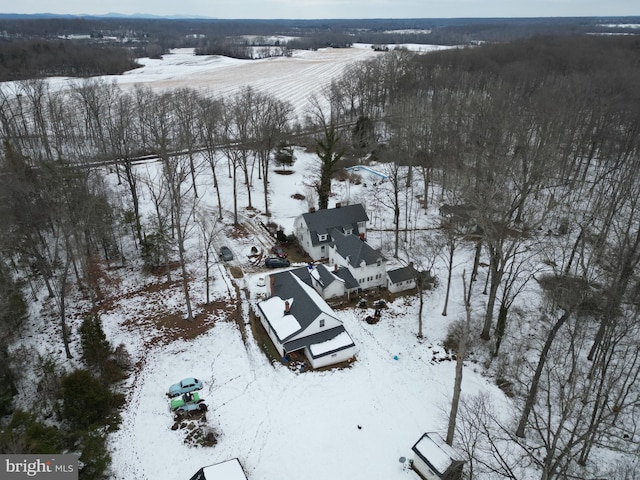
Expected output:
(296, 317)
(434, 459)
(316, 230)
(401, 279)
(365, 263)
(229, 470)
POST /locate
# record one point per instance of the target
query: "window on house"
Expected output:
(322, 237)
(322, 323)
(348, 231)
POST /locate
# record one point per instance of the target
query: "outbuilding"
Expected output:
(434, 459)
(401, 279)
(228, 470)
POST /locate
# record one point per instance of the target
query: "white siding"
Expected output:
(401, 286)
(423, 469)
(338, 357)
(271, 334)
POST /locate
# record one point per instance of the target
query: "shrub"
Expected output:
(96, 349)
(24, 434)
(94, 459)
(88, 402)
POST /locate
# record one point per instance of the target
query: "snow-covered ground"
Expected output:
(337, 424)
(351, 423)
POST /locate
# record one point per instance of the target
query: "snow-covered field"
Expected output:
(338, 424)
(295, 79)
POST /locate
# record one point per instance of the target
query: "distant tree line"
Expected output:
(35, 58)
(156, 36)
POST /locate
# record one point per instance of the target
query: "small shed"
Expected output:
(401, 279)
(434, 459)
(228, 470)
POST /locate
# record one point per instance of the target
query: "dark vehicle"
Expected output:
(279, 251)
(225, 254)
(275, 262)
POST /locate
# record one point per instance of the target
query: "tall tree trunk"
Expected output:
(63, 313)
(533, 389)
(446, 297)
(496, 277)
(460, 354)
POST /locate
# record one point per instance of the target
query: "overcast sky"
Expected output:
(332, 8)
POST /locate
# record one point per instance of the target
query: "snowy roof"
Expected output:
(229, 470)
(401, 274)
(356, 250)
(284, 325)
(323, 221)
(338, 342)
(436, 452)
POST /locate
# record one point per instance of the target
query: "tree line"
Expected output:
(36, 58)
(530, 149)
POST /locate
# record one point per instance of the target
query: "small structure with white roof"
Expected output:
(229, 470)
(434, 459)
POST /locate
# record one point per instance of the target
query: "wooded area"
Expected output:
(533, 147)
(40, 58)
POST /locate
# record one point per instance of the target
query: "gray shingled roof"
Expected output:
(323, 221)
(351, 247)
(326, 277)
(349, 279)
(402, 274)
(319, 337)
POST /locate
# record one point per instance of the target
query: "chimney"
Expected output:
(338, 204)
(312, 209)
(286, 307)
(335, 267)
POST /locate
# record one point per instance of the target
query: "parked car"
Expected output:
(226, 254)
(279, 251)
(185, 385)
(186, 398)
(191, 408)
(275, 262)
